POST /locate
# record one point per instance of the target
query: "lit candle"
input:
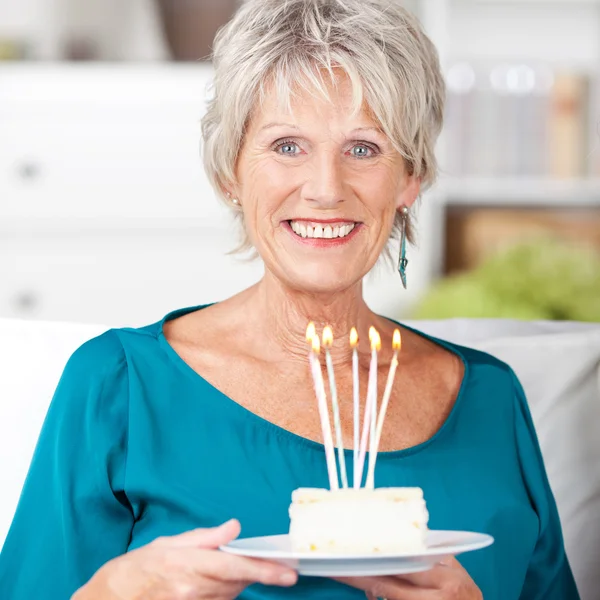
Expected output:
(375, 347)
(317, 375)
(327, 343)
(371, 407)
(396, 345)
(356, 402)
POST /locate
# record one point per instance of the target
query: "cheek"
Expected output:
(261, 206)
(268, 178)
(380, 202)
(378, 188)
(271, 186)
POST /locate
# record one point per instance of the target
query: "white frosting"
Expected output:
(358, 521)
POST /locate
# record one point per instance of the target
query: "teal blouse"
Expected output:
(137, 445)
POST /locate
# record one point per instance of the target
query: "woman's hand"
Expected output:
(183, 567)
(448, 580)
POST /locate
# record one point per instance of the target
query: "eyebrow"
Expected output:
(270, 125)
(376, 129)
(292, 126)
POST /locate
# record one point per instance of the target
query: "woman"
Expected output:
(320, 136)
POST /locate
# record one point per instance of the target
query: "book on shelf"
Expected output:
(568, 126)
(520, 121)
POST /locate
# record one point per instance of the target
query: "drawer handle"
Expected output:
(29, 170)
(26, 302)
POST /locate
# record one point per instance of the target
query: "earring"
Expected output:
(233, 200)
(402, 260)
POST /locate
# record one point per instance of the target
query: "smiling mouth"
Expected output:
(316, 230)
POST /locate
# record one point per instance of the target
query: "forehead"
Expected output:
(322, 96)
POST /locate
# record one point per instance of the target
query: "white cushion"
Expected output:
(557, 363)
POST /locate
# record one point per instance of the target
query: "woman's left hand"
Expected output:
(448, 580)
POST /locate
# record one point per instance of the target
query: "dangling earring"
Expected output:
(402, 260)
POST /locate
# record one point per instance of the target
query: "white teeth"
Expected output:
(318, 231)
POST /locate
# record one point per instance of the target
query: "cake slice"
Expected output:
(358, 521)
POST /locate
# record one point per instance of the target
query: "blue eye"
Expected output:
(361, 151)
(287, 147)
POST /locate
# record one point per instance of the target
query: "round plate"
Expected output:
(278, 548)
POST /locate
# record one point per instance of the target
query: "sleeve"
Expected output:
(549, 575)
(73, 514)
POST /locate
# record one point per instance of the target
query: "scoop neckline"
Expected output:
(283, 433)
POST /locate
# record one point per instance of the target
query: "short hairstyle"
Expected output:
(392, 65)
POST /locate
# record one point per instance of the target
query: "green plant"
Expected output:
(540, 279)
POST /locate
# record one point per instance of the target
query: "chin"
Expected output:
(320, 279)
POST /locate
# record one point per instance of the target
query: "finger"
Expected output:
(227, 567)
(433, 578)
(387, 587)
(451, 561)
(212, 537)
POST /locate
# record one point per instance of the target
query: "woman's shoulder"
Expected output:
(99, 354)
(489, 382)
(112, 349)
(482, 370)
(472, 357)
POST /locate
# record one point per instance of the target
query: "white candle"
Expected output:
(327, 343)
(363, 445)
(396, 344)
(370, 408)
(356, 402)
(375, 346)
(323, 410)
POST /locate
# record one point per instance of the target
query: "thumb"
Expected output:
(209, 538)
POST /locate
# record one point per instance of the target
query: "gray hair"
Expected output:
(392, 65)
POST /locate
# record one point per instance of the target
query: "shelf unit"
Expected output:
(531, 192)
(563, 34)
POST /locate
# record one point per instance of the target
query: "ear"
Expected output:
(410, 192)
(228, 189)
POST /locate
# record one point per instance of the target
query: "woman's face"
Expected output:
(319, 189)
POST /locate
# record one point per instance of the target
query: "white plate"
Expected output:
(439, 544)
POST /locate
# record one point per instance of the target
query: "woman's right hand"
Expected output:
(184, 567)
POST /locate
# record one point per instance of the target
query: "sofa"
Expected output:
(558, 364)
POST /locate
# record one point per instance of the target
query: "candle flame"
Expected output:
(353, 337)
(375, 339)
(327, 337)
(316, 345)
(396, 340)
(311, 332)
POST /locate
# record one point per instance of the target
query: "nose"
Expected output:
(324, 185)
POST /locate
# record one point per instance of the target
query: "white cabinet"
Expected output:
(102, 142)
(105, 212)
(120, 276)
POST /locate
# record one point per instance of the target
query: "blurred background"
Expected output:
(106, 215)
